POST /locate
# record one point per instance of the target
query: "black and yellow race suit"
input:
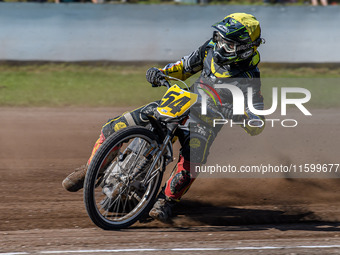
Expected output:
(196, 139)
(243, 74)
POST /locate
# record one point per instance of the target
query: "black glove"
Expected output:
(155, 77)
(227, 111)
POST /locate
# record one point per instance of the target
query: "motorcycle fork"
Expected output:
(160, 153)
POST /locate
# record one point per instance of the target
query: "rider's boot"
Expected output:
(162, 209)
(75, 181)
(177, 185)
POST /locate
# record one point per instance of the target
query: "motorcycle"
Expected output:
(124, 177)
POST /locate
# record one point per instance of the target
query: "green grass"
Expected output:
(321, 80)
(324, 91)
(108, 84)
(74, 85)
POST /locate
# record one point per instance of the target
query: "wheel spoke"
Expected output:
(118, 194)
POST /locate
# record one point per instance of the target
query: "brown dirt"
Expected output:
(40, 146)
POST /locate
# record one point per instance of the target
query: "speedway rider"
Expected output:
(230, 56)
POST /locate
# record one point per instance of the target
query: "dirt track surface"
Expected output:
(39, 147)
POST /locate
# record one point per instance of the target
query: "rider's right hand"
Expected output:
(155, 77)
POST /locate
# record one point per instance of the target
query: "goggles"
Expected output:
(229, 47)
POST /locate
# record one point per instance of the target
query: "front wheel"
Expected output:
(120, 185)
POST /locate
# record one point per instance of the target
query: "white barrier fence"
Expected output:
(123, 32)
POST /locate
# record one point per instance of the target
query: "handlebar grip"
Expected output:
(216, 111)
(165, 83)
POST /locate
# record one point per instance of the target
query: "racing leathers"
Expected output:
(199, 133)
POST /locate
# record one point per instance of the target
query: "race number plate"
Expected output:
(176, 101)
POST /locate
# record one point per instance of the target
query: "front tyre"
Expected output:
(116, 191)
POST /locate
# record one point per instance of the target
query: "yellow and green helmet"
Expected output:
(237, 37)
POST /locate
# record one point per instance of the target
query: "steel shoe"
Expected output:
(162, 210)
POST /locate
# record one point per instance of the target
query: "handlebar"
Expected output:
(167, 84)
(164, 82)
(217, 112)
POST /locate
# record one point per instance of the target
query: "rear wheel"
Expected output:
(117, 189)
